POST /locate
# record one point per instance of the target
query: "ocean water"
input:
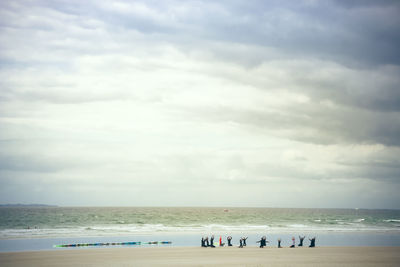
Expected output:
(40, 226)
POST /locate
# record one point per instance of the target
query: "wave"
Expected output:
(151, 229)
(392, 220)
(298, 226)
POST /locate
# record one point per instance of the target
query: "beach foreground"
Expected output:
(190, 256)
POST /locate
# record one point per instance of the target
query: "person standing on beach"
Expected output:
(241, 243)
(301, 241)
(229, 238)
(279, 243)
(312, 242)
(262, 241)
(212, 241)
(203, 244)
(294, 242)
(244, 241)
(206, 242)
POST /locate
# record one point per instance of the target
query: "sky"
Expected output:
(200, 103)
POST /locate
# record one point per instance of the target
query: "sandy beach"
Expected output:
(191, 256)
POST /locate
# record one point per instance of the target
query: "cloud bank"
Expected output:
(203, 103)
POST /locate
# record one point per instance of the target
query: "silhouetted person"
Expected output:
(229, 238)
(262, 241)
(203, 242)
(294, 242)
(279, 243)
(240, 243)
(207, 243)
(301, 241)
(244, 241)
(312, 242)
(212, 242)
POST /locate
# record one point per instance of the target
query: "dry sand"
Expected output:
(190, 256)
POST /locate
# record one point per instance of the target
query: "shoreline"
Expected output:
(197, 256)
(194, 240)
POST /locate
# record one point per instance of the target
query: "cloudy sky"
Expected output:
(200, 103)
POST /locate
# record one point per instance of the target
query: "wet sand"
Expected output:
(190, 256)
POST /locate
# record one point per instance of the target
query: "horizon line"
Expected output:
(173, 206)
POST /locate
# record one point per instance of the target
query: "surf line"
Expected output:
(112, 244)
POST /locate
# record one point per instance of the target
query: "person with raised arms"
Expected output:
(301, 241)
(263, 241)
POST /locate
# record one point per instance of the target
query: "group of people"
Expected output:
(205, 242)
(263, 242)
(301, 240)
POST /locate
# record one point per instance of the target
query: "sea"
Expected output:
(42, 228)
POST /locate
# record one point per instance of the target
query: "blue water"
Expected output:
(40, 228)
(45, 222)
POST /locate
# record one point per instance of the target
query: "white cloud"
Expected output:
(111, 101)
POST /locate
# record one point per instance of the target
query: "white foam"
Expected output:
(298, 226)
(148, 229)
(392, 220)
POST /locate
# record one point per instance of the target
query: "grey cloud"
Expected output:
(296, 27)
(237, 169)
(363, 3)
(312, 123)
(374, 171)
(29, 164)
(195, 74)
(31, 155)
(326, 30)
(351, 125)
(373, 89)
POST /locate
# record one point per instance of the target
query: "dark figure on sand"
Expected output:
(263, 241)
(312, 242)
(212, 242)
(203, 242)
(207, 244)
(279, 243)
(244, 241)
(294, 242)
(229, 238)
(301, 241)
(240, 243)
